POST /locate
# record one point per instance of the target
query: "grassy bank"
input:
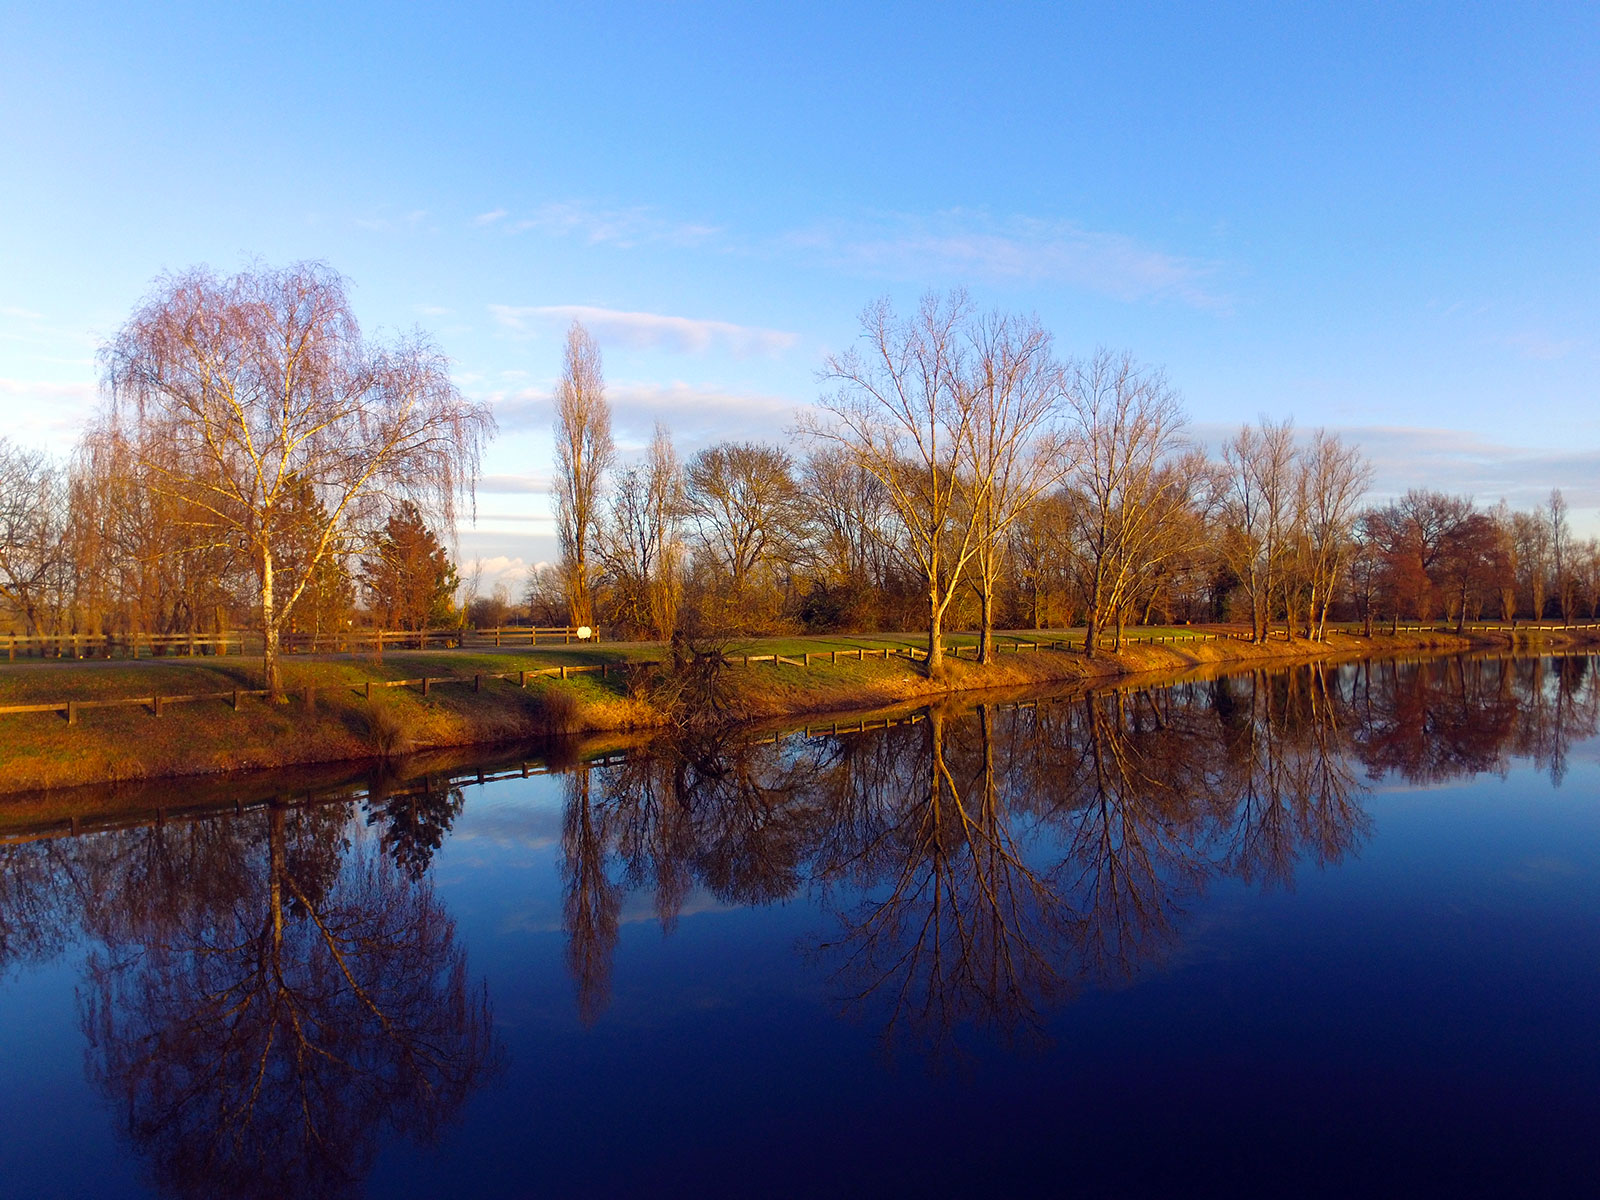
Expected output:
(338, 723)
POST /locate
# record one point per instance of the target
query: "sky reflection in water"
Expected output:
(1312, 929)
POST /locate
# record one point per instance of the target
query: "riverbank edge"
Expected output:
(43, 753)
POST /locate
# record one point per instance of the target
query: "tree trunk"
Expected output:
(1092, 632)
(935, 634)
(269, 631)
(276, 866)
(986, 634)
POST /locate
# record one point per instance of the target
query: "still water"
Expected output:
(1311, 931)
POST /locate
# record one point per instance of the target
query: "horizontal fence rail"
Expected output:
(188, 645)
(107, 645)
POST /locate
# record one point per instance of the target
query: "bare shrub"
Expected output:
(389, 730)
(558, 709)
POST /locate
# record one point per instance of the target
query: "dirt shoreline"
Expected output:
(40, 751)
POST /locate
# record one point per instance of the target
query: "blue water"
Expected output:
(1308, 932)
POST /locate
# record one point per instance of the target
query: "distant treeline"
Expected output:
(959, 474)
(956, 474)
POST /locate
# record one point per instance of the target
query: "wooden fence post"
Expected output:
(72, 712)
(424, 685)
(477, 683)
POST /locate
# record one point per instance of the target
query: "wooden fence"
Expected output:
(131, 645)
(188, 645)
(380, 640)
(157, 703)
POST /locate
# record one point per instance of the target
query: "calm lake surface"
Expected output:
(1320, 930)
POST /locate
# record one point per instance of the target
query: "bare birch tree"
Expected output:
(904, 413)
(584, 453)
(1014, 456)
(237, 391)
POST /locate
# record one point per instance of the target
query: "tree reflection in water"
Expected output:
(980, 866)
(275, 990)
(269, 998)
(414, 820)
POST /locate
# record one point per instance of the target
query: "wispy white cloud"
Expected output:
(1462, 463)
(622, 227)
(1478, 466)
(974, 245)
(57, 391)
(432, 310)
(404, 223)
(21, 314)
(50, 412)
(515, 485)
(487, 520)
(961, 244)
(652, 331)
(1543, 347)
(697, 415)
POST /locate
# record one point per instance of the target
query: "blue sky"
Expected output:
(1381, 219)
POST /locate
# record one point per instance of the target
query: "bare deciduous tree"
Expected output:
(1562, 555)
(905, 414)
(1013, 455)
(32, 527)
(1532, 540)
(745, 506)
(1129, 425)
(584, 452)
(1333, 477)
(235, 391)
(853, 543)
(1259, 513)
(641, 547)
